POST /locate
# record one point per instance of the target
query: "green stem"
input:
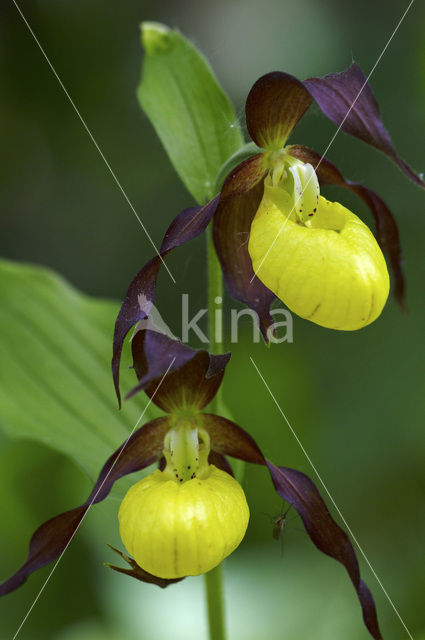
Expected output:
(215, 306)
(215, 328)
(215, 603)
(215, 297)
(214, 578)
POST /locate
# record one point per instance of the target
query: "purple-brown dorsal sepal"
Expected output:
(138, 573)
(227, 438)
(299, 490)
(347, 99)
(192, 377)
(231, 228)
(276, 102)
(386, 227)
(140, 295)
(52, 538)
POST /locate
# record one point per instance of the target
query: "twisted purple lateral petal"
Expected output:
(297, 489)
(51, 538)
(347, 99)
(244, 177)
(192, 379)
(241, 196)
(386, 227)
(140, 295)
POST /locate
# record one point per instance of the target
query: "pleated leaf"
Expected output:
(55, 382)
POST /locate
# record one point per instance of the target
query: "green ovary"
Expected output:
(330, 270)
(177, 529)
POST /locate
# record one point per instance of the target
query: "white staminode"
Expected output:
(306, 190)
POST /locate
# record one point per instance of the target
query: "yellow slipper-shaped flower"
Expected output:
(328, 269)
(175, 529)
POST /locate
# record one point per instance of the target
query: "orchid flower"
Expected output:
(186, 516)
(274, 234)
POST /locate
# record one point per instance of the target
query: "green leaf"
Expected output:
(190, 112)
(55, 378)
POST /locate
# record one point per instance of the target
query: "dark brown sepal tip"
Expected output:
(138, 573)
(140, 295)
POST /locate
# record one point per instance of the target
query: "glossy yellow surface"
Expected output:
(330, 270)
(177, 529)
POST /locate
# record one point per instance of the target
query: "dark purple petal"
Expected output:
(193, 375)
(141, 292)
(232, 224)
(139, 573)
(229, 439)
(386, 227)
(51, 538)
(274, 105)
(347, 99)
(297, 489)
(219, 461)
(244, 177)
(386, 235)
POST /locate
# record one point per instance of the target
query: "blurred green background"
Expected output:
(355, 400)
